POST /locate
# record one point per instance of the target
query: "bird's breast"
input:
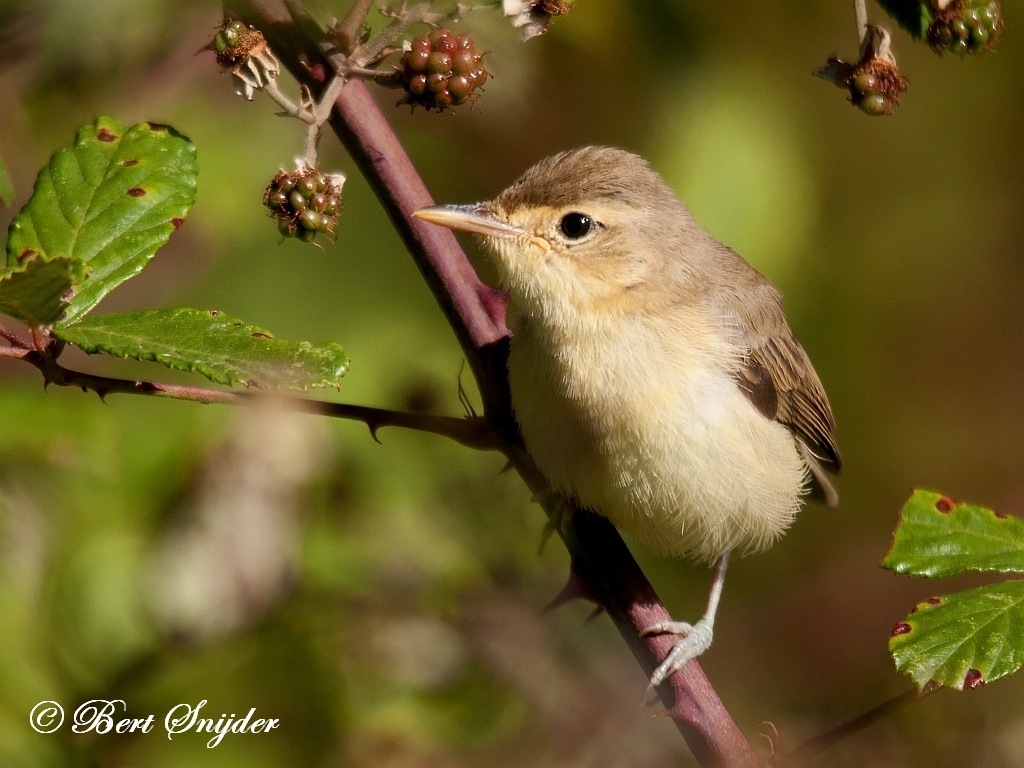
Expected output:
(647, 427)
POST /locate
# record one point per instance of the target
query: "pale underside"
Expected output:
(685, 463)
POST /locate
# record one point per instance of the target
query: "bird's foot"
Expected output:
(693, 641)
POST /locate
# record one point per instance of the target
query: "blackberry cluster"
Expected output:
(303, 202)
(876, 86)
(441, 70)
(966, 26)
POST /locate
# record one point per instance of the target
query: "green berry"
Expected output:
(439, 62)
(235, 41)
(865, 82)
(966, 26)
(875, 103)
(297, 200)
(875, 85)
(228, 36)
(310, 219)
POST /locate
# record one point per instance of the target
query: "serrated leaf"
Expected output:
(939, 536)
(36, 292)
(963, 640)
(110, 201)
(220, 347)
(913, 15)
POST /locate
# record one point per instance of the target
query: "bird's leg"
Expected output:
(695, 638)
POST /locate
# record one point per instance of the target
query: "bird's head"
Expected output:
(588, 225)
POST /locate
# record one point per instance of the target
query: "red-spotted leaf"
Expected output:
(220, 347)
(963, 640)
(969, 638)
(939, 536)
(36, 292)
(109, 201)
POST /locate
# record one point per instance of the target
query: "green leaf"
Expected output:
(938, 536)
(6, 188)
(963, 640)
(222, 348)
(913, 15)
(110, 201)
(36, 292)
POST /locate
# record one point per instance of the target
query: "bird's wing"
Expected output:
(778, 378)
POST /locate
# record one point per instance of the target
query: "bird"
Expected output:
(654, 376)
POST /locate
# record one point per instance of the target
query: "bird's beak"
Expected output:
(477, 219)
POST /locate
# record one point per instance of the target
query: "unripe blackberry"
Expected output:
(440, 70)
(244, 52)
(876, 86)
(235, 41)
(304, 202)
(966, 26)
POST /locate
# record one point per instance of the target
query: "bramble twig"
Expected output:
(473, 431)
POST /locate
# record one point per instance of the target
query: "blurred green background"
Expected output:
(385, 602)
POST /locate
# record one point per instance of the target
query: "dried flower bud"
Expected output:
(533, 16)
(244, 52)
(874, 83)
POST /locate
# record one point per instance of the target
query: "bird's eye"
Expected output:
(575, 225)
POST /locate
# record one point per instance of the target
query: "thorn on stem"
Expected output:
(575, 589)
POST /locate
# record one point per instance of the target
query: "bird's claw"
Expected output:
(694, 640)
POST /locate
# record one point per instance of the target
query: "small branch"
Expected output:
(320, 114)
(349, 31)
(860, 12)
(281, 100)
(387, 37)
(473, 432)
(14, 339)
(812, 749)
(17, 353)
